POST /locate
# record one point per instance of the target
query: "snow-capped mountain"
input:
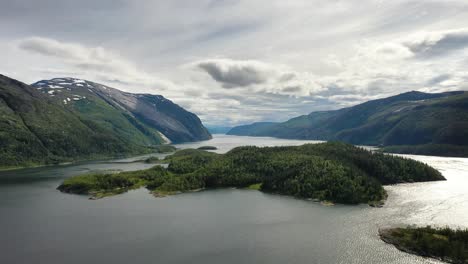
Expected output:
(68, 119)
(171, 120)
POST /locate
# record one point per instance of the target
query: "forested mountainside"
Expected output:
(68, 119)
(412, 122)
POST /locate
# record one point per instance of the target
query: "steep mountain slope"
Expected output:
(52, 122)
(412, 118)
(153, 111)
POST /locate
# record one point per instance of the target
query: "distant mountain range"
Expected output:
(67, 119)
(412, 122)
(218, 129)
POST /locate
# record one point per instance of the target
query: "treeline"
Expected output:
(430, 149)
(330, 171)
(442, 243)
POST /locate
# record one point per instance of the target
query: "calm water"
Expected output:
(42, 225)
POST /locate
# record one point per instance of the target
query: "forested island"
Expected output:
(442, 243)
(335, 172)
(208, 148)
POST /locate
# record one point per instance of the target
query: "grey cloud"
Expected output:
(217, 96)
(193, 93)
(287, 77)
(235, 73)
(292, 89)
(227, 31)
(48, 47)
(438, 79)
(438, 43)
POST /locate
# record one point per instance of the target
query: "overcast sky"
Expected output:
(238, 61)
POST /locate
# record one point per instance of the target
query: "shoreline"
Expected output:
(386, 236)
(379, 148)
(106, 159)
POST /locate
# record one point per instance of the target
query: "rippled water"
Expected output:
(42, 225)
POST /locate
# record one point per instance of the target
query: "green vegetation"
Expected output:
(430, 149)
(256, 186)
(105, 184)
(441, 243)
(152, 160)
(164, 149)
(433, 124)
(335, 172)
(41, 128)
(208, 148)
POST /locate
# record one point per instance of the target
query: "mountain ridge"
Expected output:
(65, 119)
(412, 118)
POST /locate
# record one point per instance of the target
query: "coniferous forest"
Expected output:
(335, 172)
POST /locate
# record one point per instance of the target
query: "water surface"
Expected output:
(42, 225)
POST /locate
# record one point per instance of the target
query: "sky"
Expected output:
(235, 62)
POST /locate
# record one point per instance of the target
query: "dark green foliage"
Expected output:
(152, 160)
(110, 182)
(189, 160)
(208, 148)
(442, 243)
(412, 118)
(430, 149)
(335, 172)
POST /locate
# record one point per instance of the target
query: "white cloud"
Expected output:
(95, 61)
(254, 63)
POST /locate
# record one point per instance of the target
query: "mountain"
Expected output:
(67, 119)
(218, 129)
(254, 129)
(412, 122)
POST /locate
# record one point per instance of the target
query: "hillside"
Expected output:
(428, 121)
(255, 129)
(67, 119)
(332, 171)
(218, 129)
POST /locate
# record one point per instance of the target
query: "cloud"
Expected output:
(259, 77)
(250, 66)
(232, 73)
(376, 69)
(98, 61)
(438, 43)
(438, 79)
